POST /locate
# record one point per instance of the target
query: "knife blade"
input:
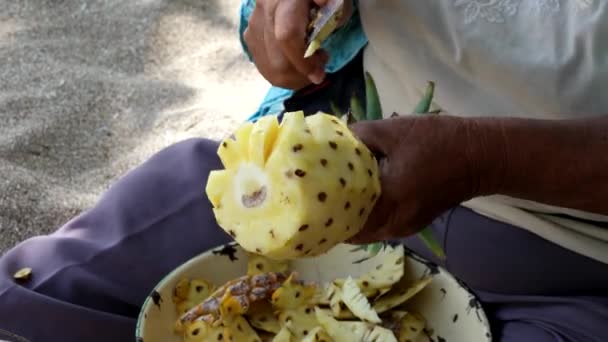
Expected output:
(324, 24)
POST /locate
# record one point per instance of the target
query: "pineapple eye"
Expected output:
(322, 196)
(302, 173)
(333, 145)
(324, 162)
(351, 166)
(343, 182)
(303, 228)
(329, 222)
(358, 151)
(347, 206)
(297, 147)
(340, 133)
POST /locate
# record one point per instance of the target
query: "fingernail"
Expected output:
(316, 77)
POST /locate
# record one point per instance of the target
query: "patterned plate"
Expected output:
(452, 312)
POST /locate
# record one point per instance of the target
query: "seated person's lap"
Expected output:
(98, 269)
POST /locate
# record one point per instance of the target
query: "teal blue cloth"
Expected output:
(342, 46)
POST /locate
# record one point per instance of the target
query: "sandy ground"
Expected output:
(91, 88)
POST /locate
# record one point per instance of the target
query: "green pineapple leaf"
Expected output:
(424, 105)
(426, 235)
(372, 99)
(336, 111)
(356, 109)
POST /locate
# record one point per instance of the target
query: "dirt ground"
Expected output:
(90, 89)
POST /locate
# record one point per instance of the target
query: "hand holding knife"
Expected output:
(324, 24)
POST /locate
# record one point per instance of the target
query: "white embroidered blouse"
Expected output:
(531, 58)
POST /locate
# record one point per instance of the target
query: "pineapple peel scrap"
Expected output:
(342, 310)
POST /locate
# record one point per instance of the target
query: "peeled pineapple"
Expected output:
(295, 189)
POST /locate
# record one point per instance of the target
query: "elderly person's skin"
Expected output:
(485, 155)
(276, 37)
(432, 164)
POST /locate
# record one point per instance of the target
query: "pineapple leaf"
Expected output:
(426, 235)
(374, 108)
(375, 248)
(336, 111)
(356, 109)
(425, 104)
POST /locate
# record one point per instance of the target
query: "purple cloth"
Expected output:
(92, 275)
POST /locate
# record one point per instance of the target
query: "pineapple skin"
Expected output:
(294, 189)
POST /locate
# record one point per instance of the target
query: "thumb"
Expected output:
(374, 135)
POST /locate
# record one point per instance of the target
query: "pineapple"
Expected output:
(388, 272)
(258, 264)
(243, 292)
(406, 326)
(202, 331)
(296, 189)
(293, 293)
(238, 329)
(190, 292)
(284, 335)
(318, 334)
(397, 296)
(293, 301)
(338, 331)
(261, 316)
(357, 303)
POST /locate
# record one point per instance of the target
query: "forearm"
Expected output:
(556, 162)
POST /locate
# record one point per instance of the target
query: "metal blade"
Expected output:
(324, 16)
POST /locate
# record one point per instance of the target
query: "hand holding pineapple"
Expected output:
(426, 167)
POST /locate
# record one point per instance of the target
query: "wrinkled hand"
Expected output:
(426, 167)
(276, 39)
